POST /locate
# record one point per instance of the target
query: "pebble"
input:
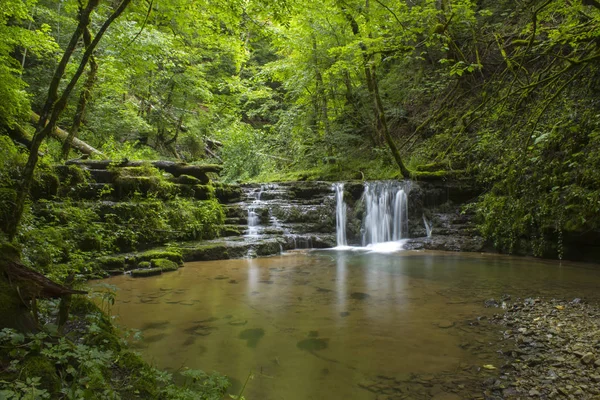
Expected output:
(588, 358)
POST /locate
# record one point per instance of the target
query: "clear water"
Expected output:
(314, 325)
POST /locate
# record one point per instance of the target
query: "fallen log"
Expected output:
(62, 135)
(175, 168)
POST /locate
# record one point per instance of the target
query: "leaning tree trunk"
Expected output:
(373, 87)
(83, 98)
(384, 126)
(55, 105)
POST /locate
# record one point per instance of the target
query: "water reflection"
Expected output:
(321, 322)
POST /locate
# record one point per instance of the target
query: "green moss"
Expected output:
(227, 193)
(436, 175)
(143, 384)
(104, 340)
(164, 264)
(112, 262)
(142, 273)
(13, 311)
(170, 254)
(230, 230)
(42, 367)
(186, 180)
(144, 264)
(45, 185)
(206, 252)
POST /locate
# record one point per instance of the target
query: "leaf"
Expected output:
(489, 366)
(560, 307)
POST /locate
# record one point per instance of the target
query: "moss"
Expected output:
(142, 273)
(70, 175)
(227, 193)
(38, 366)
(164, 264)
(144, 264)
(13, 311)
(204, 192)
(112, 263)
(436, 175)
(142, 384)
(105, 341)
(206, 252)
(230, 230)
(45, 185)
(171, 254)
(186, 180)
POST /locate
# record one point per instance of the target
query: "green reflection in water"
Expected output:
(316, 325)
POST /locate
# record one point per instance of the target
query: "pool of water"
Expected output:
(319, 324)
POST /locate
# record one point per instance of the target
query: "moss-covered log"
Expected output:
(175, 168)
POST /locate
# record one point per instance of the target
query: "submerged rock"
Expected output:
(252, 336)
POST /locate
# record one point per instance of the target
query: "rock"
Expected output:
(534, 392)
(597, 363)
(588, 358)
(491, 303)
(444, 324)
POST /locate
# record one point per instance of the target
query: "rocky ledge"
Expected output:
(552, 350)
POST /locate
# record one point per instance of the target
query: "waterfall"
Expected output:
(340, 215)
(253, 216)
(386, 216)
(428, 226)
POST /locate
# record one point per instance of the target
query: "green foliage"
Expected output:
(91, 363)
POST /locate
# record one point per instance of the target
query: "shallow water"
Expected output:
(318, 324)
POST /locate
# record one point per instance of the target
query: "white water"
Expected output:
(428, 226)
(253, 217)
(340, 215)
(386, 218)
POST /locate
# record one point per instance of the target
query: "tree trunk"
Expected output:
(83, 99)
(77, 144)
(55, 105)
(373, 87)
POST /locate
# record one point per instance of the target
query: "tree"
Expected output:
(55, 103)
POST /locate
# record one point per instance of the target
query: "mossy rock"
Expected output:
(142, 273)
(164, 264)
(42, 367)
(186, 180)
(206, 252)
(230, 230)
(7, 197)
(144, 264)
(105, 341)
(142, 384)
(204, 192)
(112, 263)
(71, 175)
(127, 186)
(228, 193)
(45, 186)
(173, 255)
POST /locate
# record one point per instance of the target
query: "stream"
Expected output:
(338, 324)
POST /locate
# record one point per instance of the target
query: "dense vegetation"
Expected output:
(500, 93)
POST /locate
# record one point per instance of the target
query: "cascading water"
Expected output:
(386, 218)
(340, 215)
(428, 226)
(253, 217)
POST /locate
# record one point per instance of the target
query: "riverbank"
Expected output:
(552, 350)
